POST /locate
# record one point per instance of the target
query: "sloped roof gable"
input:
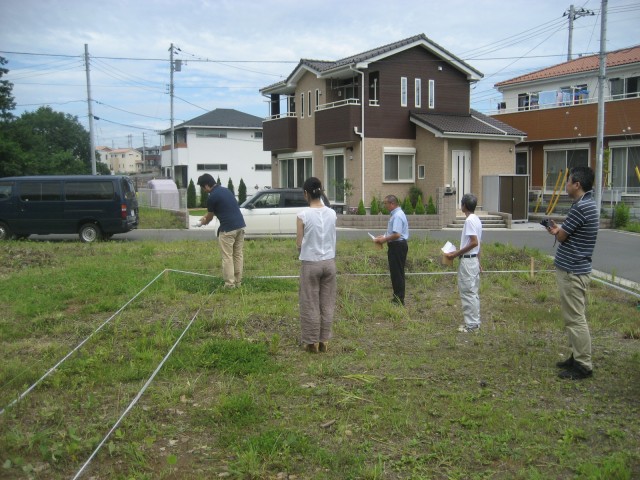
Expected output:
(475, 123)
(223, 118)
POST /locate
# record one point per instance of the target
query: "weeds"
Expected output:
(400, 394)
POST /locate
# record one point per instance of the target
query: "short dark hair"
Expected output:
(206, 179)
(313, 187)
(584, 175)
(470, 201)
(391, 199)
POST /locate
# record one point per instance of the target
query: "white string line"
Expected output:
(52, 369)
(137, 397)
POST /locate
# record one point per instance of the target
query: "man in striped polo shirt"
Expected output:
(577, 237)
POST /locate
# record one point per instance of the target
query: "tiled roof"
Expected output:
(224, 117)
(578, 65)
(475, 123)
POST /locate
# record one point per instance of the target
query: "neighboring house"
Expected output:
(121, 160)
(103, 153)
(383, 121)
(151, 158)
(225, 143)
(558, 108)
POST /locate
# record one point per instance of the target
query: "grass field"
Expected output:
(400, 394)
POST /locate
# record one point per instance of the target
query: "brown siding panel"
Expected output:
(280, 134)
(335, 125)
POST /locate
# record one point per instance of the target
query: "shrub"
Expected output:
(621, 215)
(203, 198)
(361, 209)
(230, 186)
(431, 208)
(407, 208)
(242, 192)
(191, 194)
(420, 206)
(414, 195)
(375, 207)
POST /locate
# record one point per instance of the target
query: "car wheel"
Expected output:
(5, 232)
(90, 232)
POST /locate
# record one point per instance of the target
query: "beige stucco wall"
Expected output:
(430, 152)
(490, 157)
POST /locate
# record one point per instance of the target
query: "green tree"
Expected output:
(7, 102)
(431, 208)
(44, 142)
(191, 194)
(407, 208)
(218, 181)
(203, 198)
(361, 209)
(420, 206)
(375, 207)
(414, 194)
(242, 192)
(230, 186)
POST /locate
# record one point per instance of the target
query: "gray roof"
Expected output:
(475, 123)
(223, 118)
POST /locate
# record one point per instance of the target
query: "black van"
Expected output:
(95, 207)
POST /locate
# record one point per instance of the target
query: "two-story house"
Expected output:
(558, 108)
(225, 143)
(121, 160)
(382, 121)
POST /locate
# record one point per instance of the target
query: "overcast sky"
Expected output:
(232, 48)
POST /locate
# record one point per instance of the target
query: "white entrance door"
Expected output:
(461, 172)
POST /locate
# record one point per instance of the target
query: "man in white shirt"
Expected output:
(469, 269)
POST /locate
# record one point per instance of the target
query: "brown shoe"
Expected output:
(323, 347)
(312, 347)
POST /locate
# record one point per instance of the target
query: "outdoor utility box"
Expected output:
(164, 194)
(507, 194)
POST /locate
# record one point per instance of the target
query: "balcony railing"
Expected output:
(339, 103)
(545, 102)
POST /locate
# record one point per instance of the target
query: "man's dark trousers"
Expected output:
(397, 256)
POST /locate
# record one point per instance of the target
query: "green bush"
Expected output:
(431, 208)
(230, 186)
(375, 206)
(242, 192)
(420, 206)
(203, 198)
(414, 195)
(361, 209)
(407, 208)
(621, 215)
(191, 195)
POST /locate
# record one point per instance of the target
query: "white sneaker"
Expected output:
(468, 329)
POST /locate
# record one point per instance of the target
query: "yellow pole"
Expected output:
(638, 173)
(553, 195)
(541, 195)
(566, 174)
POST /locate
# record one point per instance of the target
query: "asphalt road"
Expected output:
(617, 253)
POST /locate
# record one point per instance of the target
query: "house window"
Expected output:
(625, 87)
(257, 134)
(302, 105)
(374, 89)
(432, 94)
(421, 172)
(294, 171)
(318, 93)
(261, 167)
(403, 91)
(522, 162)
(560, 159)
(211, 133)
(527, 101)
(624, 161)
(398, 167)
(212, 166)
(418, 93)
(334, 178)
(309, 106)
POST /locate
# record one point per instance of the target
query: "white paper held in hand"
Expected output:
(372, 237)
(448, 248)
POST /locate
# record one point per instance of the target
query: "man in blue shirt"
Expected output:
(577, 237)
(397, 248)
(223, 204)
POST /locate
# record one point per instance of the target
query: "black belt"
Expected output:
(471, 255)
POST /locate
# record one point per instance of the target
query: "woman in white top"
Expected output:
(316, 241)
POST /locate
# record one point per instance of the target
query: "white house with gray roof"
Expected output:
(225, 143)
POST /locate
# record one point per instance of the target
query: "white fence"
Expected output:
(163, 199)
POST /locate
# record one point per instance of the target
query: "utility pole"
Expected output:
(144, 144)
(171, 99)
(89, 102)
(601, 79)
(574, 14)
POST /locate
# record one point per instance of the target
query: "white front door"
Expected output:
(461, 172)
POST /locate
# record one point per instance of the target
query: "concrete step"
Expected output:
(488, 221)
